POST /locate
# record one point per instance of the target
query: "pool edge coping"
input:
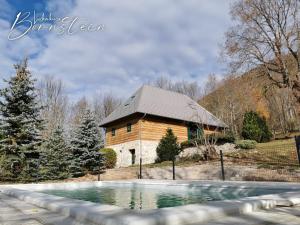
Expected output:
(87, 184)
(107, 214)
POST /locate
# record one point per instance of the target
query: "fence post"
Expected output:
(173, 164)
(297, 140)
(99, 174)
(222, 165)
(141, 176)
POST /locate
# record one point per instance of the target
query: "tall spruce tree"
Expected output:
(1, 134)
(55, 157)
(21, 125)
(85, 146)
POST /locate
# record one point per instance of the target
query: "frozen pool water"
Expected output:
(160, 196)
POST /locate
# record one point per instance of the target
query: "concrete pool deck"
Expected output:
(17, 212)
(88, 212)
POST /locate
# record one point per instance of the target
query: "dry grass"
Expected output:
(289, 135)
(276, 143)
(168, 163)
(274, 154)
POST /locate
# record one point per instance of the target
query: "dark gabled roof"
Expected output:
(159, 102)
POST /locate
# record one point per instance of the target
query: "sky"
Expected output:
(113, 46)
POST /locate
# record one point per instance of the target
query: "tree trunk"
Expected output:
(296, 93)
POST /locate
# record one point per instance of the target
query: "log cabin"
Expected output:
(135, 128)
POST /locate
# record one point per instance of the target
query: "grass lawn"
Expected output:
(276, 143)
(277, 153)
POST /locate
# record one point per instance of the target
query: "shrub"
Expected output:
(186, 144)
(246, 144)
(255, 128)
(226, 138)
(110, 157)
(221, 139)
(190, 143)
(192, 158)
(168, 147)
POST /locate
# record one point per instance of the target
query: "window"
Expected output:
(194, 132)
(128, 127)
(113, 131)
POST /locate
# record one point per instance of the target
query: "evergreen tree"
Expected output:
(1, 134)
(168, 147)
(55, 157)
(255, 128)
(266, 133)
(85, 146)
(21, 125)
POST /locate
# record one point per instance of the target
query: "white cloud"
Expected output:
(11, 52)
(141, 41)
(59, 7)
(6, 9)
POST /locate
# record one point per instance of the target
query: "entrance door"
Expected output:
(132, 151)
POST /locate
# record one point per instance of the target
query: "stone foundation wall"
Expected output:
(124, 156)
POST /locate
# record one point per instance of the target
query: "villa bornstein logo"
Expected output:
(26, 22)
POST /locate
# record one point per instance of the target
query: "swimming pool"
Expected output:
(143, 196)
(137, 202)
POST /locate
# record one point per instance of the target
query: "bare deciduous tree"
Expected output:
(190, 89)
(206, 141)
(77, 110)
(54, 101)
(163, 82)
(283, 112)
(105, 104)
(211, 84)
(228, 102)
(266, 34)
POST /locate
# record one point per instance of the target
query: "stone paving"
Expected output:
(17, 212)
(277, 216)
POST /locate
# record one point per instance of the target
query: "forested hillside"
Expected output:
(231, 97)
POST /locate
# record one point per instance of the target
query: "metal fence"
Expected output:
(277, 162)
(273, 161)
